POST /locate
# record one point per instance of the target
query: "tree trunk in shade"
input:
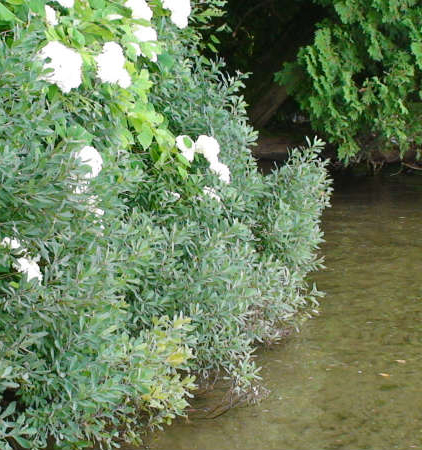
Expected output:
(268, 96)
(262, 112)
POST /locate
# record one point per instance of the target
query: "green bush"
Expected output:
(359, 80)
(68, 367)
(275, 221)
(123, 275)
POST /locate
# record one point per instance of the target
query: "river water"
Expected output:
(351, 379)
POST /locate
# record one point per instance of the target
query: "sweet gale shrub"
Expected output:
(254, 275)
(69, 368)
(138, 243)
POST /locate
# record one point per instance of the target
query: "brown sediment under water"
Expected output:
(351, 379)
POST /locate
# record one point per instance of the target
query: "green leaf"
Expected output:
(417, 51)
(166, 61)
(37, 6)
(77, 36)
(215, 39)
(182, 159)
(97, 4)
(96, 30)
(15, 2)
(22, 441)
(188, 141)
(154, 153)
(9, 410)
(177, 358)
(183, 172)
(7, 15)
(164, 137)
(212, 48)
(145, 135)
(78, 133)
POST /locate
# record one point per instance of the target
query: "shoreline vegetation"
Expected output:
(140, 246)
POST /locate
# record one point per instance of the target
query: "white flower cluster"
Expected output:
(175, 195)
(114, 17)
(12, 243)
(66, 64)
(222, 171)
(30, 267)
(92, 201)
(50, 16)
(145, 34)
(186, 146)
(66, 3)
(140, 9)
(90, 156)
(180, 11)
(211, 193)
(207, 146)
(24, 264)
(111, 65)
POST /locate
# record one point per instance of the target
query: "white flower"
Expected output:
(66, 3)
(186, 146)
(66, 64)
(24, 264)
(111, 65)
(180, 11)
(12, 243)
(114, 17)
(124, 80)
(50, 15)
(145, 34)
(175, 195)
(92, 202)
(140, 9)
(30, 267)
(222, 171)
(209, 147)
(81, 188)
(211, 193)
(138, 52)
(90, 156)
(98, 211)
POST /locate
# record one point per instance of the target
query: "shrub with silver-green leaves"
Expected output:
(69, 368)
(138, 242)
(260, 242)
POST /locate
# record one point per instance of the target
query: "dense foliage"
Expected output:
(352, 66)
(359, 80)
(127, 267)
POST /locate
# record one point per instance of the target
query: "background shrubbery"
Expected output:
(359, 80)
(167, 281)
(352, 68)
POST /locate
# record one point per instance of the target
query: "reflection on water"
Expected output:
(352, 378)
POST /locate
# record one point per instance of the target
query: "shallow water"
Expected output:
(351, 379)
